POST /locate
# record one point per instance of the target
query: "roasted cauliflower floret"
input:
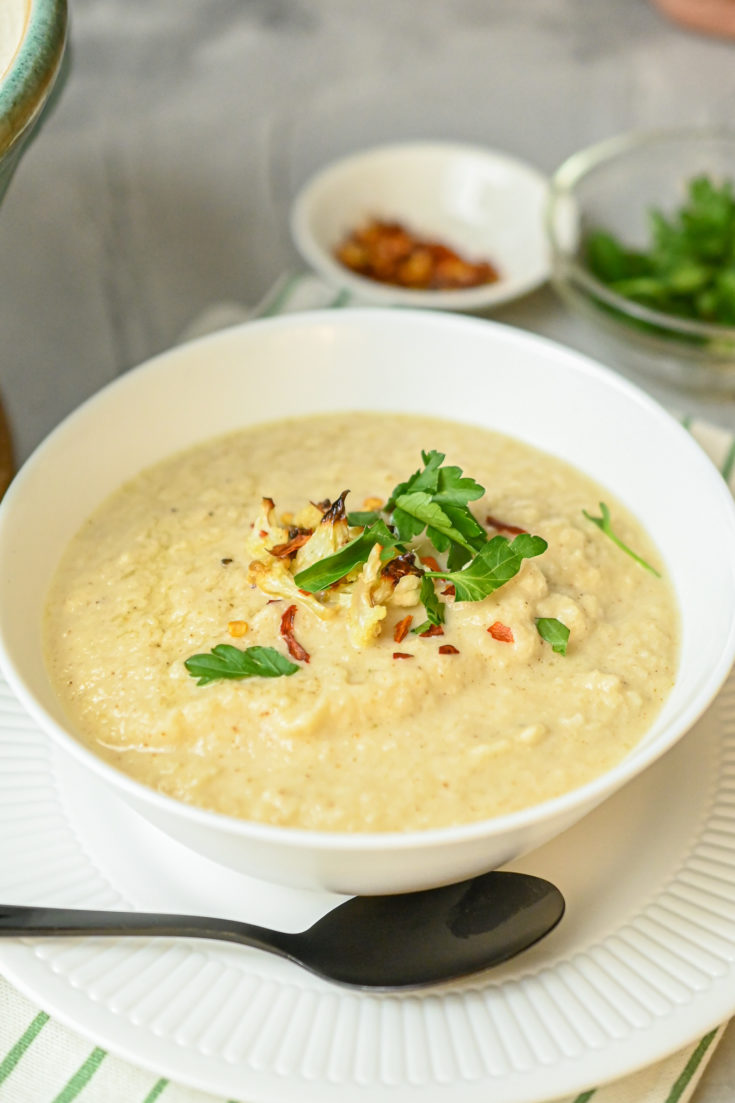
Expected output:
(275, 580)
(280, 554)
(308, 517)
(365, 614)
(265, 533)
(331, 534)
(407, 591)
(399, 582)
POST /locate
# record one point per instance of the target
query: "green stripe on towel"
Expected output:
(342, 298)
(155, 1091)
(14, 1055)
(690, 1068)
(282, 295)
(728, 463)
(81, 1077)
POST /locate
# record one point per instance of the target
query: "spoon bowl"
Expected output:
(378, 942)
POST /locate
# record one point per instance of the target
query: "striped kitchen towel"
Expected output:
(42, 1061)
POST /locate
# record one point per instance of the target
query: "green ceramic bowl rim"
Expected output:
(26, 85)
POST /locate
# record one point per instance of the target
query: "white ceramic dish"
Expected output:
(373, 359)
(482, 203)
(642, 964)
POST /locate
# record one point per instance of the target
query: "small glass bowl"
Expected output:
(613, 186)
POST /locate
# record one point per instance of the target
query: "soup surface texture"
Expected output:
(378, 728)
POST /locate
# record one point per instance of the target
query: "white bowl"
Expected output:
(376, 359)
(484, 204)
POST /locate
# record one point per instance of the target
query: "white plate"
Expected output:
(643, 962)
(481, 202)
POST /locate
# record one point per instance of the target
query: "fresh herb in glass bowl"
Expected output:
(688, 268)
(641, 231)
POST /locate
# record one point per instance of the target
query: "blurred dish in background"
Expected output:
(13, 19)
(32, 42)
(638, 230)
(476, 207)
(710, 16)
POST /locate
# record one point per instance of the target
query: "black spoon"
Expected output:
(403, 941)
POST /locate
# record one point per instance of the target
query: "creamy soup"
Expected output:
(509, 699)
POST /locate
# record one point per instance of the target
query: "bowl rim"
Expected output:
(27, 82)
(634, 762)
(486, 295)
(561, 189)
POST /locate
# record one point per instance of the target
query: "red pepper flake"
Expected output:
(450, 591)
(514, 530)
(401, 629)
(430, 562)
(448, 649)
(295, 650)
(401, 655)
(501, 632)
(285, 551)
(435, 630)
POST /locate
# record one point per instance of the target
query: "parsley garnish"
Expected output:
(334, 567)
(435, 499)
(364, 518)
(494, 565)
(226, 661)
(688, 268)
(554, 632)
(433, 607)
(603, 523)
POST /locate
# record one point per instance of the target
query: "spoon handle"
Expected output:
(31, 922)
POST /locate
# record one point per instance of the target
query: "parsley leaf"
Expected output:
(434, 608)
(436, 499)
(496, 563)
(417, 511)
(424, 479)
(332, 568)
(554, 632)
(603, 523)
(455, 488)
(688, 266)
(226, 661)
(363, 518)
